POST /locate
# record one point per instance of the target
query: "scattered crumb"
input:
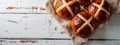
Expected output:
(10, 8)
(63, 32)
(28, 41)
(12, 21)
(49, 22)
(1, 40)
(34, 8)
(42, 8)
(55, 28)
(72, 37)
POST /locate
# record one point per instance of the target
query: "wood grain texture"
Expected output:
(30, 26)
(36, 42)
(45, 26)
(55, 42)
(22, 6)
(27, 22)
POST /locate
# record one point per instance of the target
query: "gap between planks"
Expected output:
(31, 13)
(20, 13)
(56, 39)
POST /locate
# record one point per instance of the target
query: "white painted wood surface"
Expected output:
(45, 26)
(22, 6)
(30, 26)
(25, 20)
(55, 42)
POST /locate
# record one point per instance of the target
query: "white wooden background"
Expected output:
(26, 22)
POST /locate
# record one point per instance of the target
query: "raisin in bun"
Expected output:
(100, 9)
(67, 8)
(83, 24)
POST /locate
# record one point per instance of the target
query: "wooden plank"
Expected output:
(30, 26)
(22, 6)
(55, 42)
(102, 43)
(36, 42)
(45, 26)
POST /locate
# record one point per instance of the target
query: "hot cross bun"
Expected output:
(67, 8)
(84, 23)
(100, 10)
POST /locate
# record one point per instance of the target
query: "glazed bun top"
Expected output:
(100, 10)
(85, 15)
(83, 24)
(85, 2)
(67, 8)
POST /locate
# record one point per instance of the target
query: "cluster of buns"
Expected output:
(85, 15)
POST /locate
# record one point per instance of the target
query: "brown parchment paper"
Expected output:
(115, 5)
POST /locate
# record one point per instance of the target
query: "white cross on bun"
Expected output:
(84, 23)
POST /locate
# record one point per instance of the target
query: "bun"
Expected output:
(100, 10)
(67, 8)
(83, 24)
(84, 2)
